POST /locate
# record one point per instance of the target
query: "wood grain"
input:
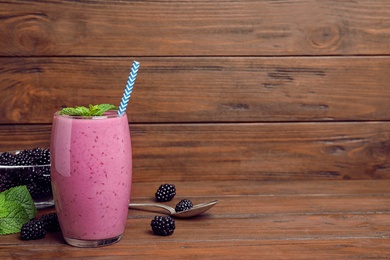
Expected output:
(343, 248)
(203, 190)
(229, 90)
(188, 28)
(237, 89)
(251, 151)
(272, 220)
(278, 109)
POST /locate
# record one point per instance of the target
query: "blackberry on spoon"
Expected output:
(183, 205)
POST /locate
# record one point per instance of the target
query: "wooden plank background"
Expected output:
(227, 90)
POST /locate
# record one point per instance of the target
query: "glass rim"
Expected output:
(23, 166)
(112, 114)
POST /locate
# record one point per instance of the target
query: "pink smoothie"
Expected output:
(91, 175)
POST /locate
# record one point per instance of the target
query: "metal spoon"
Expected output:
(192, 212)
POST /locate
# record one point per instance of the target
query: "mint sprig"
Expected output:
(92, 110)
(16, 208)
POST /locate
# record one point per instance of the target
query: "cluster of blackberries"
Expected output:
(166, 192)
(37, 228)
(36, 156)
(164, 226)
(30, 167)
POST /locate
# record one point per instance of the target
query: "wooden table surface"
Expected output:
(253, 220)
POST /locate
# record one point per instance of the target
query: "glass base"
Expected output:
(92, 243)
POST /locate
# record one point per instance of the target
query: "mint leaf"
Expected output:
(105, 107)
(75, 111)
(13, 216)
(3, 211)
(16, 208)
(21, 195)
(92, 110)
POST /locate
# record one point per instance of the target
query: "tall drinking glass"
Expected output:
(91, 175)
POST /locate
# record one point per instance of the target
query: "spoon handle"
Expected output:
(156, 205)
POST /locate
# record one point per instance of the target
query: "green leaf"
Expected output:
(75, 111)
(16, 208)
(92, 110)
(104, 108)
(21, 195)
(13, 216)
(3, 211)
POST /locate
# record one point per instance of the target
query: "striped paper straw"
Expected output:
(129, 88)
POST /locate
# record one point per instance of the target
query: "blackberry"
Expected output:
(38, 156)
(38, 185)
(50, 222)
(183, 205)
(34, 229)
(27, 152)
(37, 178)
(41, 156)
(165, 192)
(6, 158)
(22, 159)
(9, 179)
(163, 226)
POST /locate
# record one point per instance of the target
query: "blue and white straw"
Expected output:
(129, 88)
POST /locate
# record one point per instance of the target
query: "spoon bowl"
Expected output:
(189, 213)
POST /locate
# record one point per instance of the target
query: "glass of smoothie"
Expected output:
(91, 175)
